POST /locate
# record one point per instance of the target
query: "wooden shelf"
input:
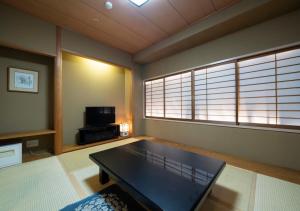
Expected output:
(70, 148)
(6, 136)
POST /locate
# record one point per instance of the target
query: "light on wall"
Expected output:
(124, 129)
(139, 2)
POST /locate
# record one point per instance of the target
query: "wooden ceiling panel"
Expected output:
(128, 16)
(126, 26)
(193, 10)
(104, 24)
(220, 4)
(162, 14)
(43, 12)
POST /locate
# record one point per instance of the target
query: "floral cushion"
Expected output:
(112, 198)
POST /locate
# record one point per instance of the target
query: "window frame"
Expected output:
(237, 92)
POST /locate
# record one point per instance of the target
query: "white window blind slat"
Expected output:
(257, 61)
(288, 54)
(288, 69)
(258, 87)
(288, 62)
(257, 68)
(249, 75)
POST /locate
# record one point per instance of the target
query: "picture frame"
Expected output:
(22, 80)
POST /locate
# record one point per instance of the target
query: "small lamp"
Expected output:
(124, 129)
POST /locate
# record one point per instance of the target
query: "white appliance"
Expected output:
(10, 155)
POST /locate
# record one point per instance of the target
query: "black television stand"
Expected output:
(93, 134)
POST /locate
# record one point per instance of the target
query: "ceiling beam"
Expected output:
(239, 16)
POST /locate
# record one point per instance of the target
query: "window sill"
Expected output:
(229, 125)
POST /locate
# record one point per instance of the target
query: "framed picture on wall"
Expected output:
(21, 80)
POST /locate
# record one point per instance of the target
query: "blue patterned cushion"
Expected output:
(112, 198)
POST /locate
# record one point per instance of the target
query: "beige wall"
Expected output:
(26, 111)
(89, 83)
(137, 103)
(74, 42)
(24, 31)
(77, 43)
(277, 148)
(21, 30)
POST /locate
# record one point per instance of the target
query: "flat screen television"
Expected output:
(99, 116)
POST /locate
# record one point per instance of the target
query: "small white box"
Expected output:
(10, 155)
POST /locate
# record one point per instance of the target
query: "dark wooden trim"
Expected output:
(270, 125)
(193, 94)
(18, 47)
(206, 100)
(58, 116)
(180, 97)
(145, 99)
(221, 123)
(164, 97)
(276, 89)
(190, 120)
(237, 93)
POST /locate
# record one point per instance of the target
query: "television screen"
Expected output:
(99, 116)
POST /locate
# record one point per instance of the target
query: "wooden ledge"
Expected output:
(6, 136)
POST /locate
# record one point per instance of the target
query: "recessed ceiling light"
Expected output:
(139, 2)
(108, 5)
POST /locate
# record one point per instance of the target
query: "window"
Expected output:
(154, 98)
(257, 90)
(178, 96)
(288, 87)
(215, 93)
(270, 89)
(262, 90)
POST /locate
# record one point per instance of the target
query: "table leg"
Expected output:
(103, 177)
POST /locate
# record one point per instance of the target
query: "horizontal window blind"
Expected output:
(266, 91)
(154, 91)
(178, 96)
(215, 93)
(270, 89)
(288, 87)
(257, 90)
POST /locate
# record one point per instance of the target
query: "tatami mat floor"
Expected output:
(52, 183)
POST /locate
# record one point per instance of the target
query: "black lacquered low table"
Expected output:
(159, 176)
